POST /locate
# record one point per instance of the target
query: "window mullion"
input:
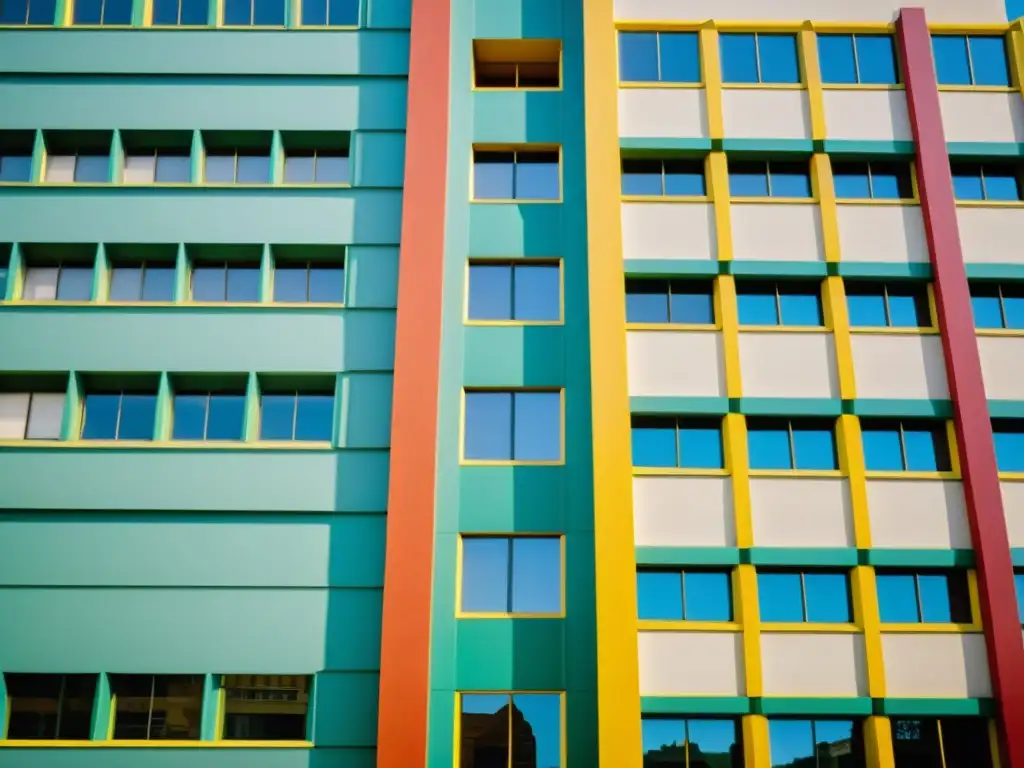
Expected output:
(1002, 305)
(686, 742)
(768, 174)
(792, 445)
(515, 174)
(682, 586)
(676, 446)
(152, 698)
(778, 305)
(295, 413)
(142, 277)
(942, 746)
(668, 298)
(509, 573)
(984, 189)
(60, 705)
(856, 60)
(757, 56)
(206, 414)
(309, 279)
(917, 596)
(512, 431)
(120, 407)
(657, 53)
(903, 449)
(512, 291)
(871, 183)
(803, 593)
(970, 59)
(885, 301)
(510, 730)
(664, 181)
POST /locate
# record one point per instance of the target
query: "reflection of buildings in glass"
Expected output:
(485, 740)
(265, 707)
(159, 707)
(674, 756)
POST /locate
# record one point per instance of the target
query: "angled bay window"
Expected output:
(28, 12)
(669, 177)
(759, 58)
(687, 442)
(181, 13)
(526, 291)
(520, 575)
(998, 181)
(330, 13)
(998, 305)
(316, 157)
(16, 154)
(48, 707)
(513, 426)
(510, 729)
(659, 57)
(242, 158)
(910, 445)
(157, 707)
(521, 172)
(77, 157)
(971, 60)
(102, 12)
(691, 595)
(61, 272)
(790, 303)
(863, 59)
(770, 178)
(254, 13)
(872, 180)
(692, 742)
(265, 707)
(804, 596)
(926, 597)
(799, 444)
(126, 414)
(888, 305)
(825, 743)
(681, 302)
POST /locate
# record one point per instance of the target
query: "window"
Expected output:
(31, 415)
(815, 743)
(209, 416)
(517, 63)
(892, 305)
(970, 60)
(763, 303)
(15, 149)
(1009, 440)
(519, 291)
(659, 57)
(309, 283)
(250, 166)
(516, 175)
(684, 302)
(316, 166)
(998, 305)
(866, 59)
(690, 442)
(1018, 582)
(298, 416)
(875, 180)
(950, 742)
(804, 596)
(663, 178)
(254, 13)
(27, 12)
(513, 426)
(226, 282)
(684, 596)
(759, 58)
(761, 178)
(159, 166)
(105, 12)
(121, 416)
(923, 598)
(330, 13)
(801, 444)
(144, 282)
(64, 282)
(157, 707)
(49, 706)
(515, 575)
(78, 168)
(265, 707)
(905, 446)
(694, 742)
(181, 13)
(988, 181)
(518, 729)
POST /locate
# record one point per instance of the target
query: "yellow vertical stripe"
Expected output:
(812, 76)
(738, 466)
(745, 590)
(712, 64)
(718, 174)
(851, 462)
(755, 742)
(878, 742)
(865, 611)
(618, 683)
(1016, 41)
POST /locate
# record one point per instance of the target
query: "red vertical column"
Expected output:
(405, 632)
(963, 371)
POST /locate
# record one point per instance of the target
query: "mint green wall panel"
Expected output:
(204, 52)
(187, 758)
(180, 480)
(365, 410)
(346, 709)
(371, 279)
(201, 215)
(525, 18)
(516, 655)
(133, 550)
(306, 103)
(379, 159)
(515, 230)
(387, 14)
(502, 499)
(353, 630)
(527, 116)
(514, 356)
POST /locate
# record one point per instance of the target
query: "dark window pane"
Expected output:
(814, 447)
(659, 595)
(13, 12)
(189, 417)
(101, 417)
(117, 11)
(541, 722)
(916, 744)
(684, 178)
(290, 284)
(653, 442)
(536, 176)
(332, 169)
(908, 307)
(41, 11)
(748, 179)
(227, 414)
(488, 425)
(780, 597)
(965, 742)
(778, 58)
(835, 54)
(538, 426)
(647, 301)
(88, 11)
(988, 60)
(926, 448)
(828, 599)
(536, 575)
(642, 177)
(838, 744)
(789, 180)
(757, 304)
(92, 169)
(243, 284)
(680, 57)
(876, 59)
(664, 742)
(158, 284)
(344, 13)
(315, 418)
(1001, 183)
(865, 303)
(484, 730)
(707, 596)
(1018, 581)
(74, 284)
(15, 168)
(638, 57)
(143, 703)
(314, 12)
(485, 575)
(238, 12)
(790, 743)
(492, 175)
(490, 292)
(126, 284)
(951, 64)
(690, 303)
(138, 414)
(195, 12)
(253, 169)
(739, 58)
(891, 181)
(49, 706)
(700, 445)
(851, 181)
(537, 293)
(299, 169)
(326, 285)
(882, 449)
(173, 169)
(265, 708)
(716, 741)
(277, 417)
(209, 283)
(897, 598)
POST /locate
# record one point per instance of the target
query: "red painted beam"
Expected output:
(408, 568)
(967, 389)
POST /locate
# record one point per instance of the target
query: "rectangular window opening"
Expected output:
(77, 157)
(888, 305)
(517, 63)
(49, 707)
(946, 742)
(997, 305)
(971, 60)
(659, 57)
(517, 729)
(157, 707)
(102, 13)
(999, 182)
(28, 12)
(872, 180)
(516, 174)
(525, 290)
(128, 414)
(757, 57)
(266, 707)
(858, 59)
(16, 153)
(305, 415)
(511, 575)
(690, 595)
(254, 13)
(670, 177)
(513, 426)
(796, 303)
(58, 272)
(791, 444)
(925, 597)
(690, 442)
(824, 743)
(770, 178)
(799, 596)
(679, 302)
(915, 445)
(330, 13)
(31, 415)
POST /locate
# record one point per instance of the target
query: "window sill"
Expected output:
(649, 84)
(665, 198)
(783, 329)
(516, 201)
(977, 89)
(810, 626)
(931, 629)
(894, 475)
(796, 474)
(499, 615)
(700, 328)
(990, 203)
(211, 445)
(863, 87)
(769, 200)
(512, 323)
(173, 304)
(866, 330)
(999, 331)
(506, 89)
(764, 86)
(669, 625)
(511, 463)
(902, 202)
(1012, 477)
(678, 472)
(142, 744)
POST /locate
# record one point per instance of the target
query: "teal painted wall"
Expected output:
(523, 654)
(210, 560)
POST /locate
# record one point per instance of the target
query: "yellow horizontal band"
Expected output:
(1012, 477)
(768, 200)
(764, 86)
(796, 473)
(687, 327)
(990, 203)
(999, 332)
(505, 615)
(966, 29)
(903, 202)
(678, 472)
(783, 329)
(512, 323)
(883, 331)
(664, 199)
(516, 201)
(653, 625)
(863, 87)
(977, 88)
(930, 629)
(809, 627)
(510, 463)
(656, 84)
(878, 475)
(194, 304)
(159, 744)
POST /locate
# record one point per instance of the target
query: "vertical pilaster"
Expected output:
(15, 274)
(102, 710)
(211, 715)
(197, 156)
(182, 278)
(101, 275)
(115, 168)
(266, 294)
(162, 424)
(74, 405)
(251, 420)
(38, 157)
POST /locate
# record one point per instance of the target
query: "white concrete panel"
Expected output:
(944, 11)
(681, 363)
(755, 113)
(60, 168)
(683, 512)
(867, 115)
(1002, 366)
(982, 116)
(1013, 510)
(677, 113)
(900, 367)
(918, 514)
(45, 416)
(815, 664)
(801, 512)
(887, 233)
(950, 666)
(668, 231)
(766, 232)
(13, 415)
(40, 284)
(691, 663)
(991, 235)
(767, 362)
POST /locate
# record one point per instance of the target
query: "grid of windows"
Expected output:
(888, 305)
(520, 291)
(949, 742)
(800, 444)
(516, 175)
(998, 305)
(767, 303)
(1009, 441)
(687, 302)
(804, 596)
(865, 59)
(120, 416)
(831, 743)
(769, 178)
(297, 416)
(63, 282)
(759, 58)
(512, 425)
(905, 446)
(872, 180)
(676, 177)
(309, 283)
(30, 12)
(498, 729)
(970, 60)
(690, 443)
(986, 181)
(923, 597)
(31, 415)
(693, 742)
(48, 707)
(511, 575)
(691, 595)
(659, 57)
(102, 12)
(209, 416)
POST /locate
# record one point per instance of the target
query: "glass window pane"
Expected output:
(268, 13)
(220, 169)
(139, 169)
(708, 597)
(209, 283)
(876, 59)
(537, 736)
(314, 419)
(789, 180)
(838, 744)
(158, 284)
(189, 417)
(299, 169)
(117, 11)
(13, 12)
(692, 304)
(138, 414)
(664, 741)
(916, 744)
(908, 307)
(814, 448)
(642, 177)
(950, 52)
(88, 11)
(1009, 450)
(865, 305)
(290, 284)
(1018, 581)
(739, 58)
(780, 597)
(748, 179)
(227, 413)
(344, 13)
(638, 57)
(327, 285)
(314, 12)
(536, 575)
(934, 591)
(653, 442)
(680, 57)
(243, 284)
(488, 426)
(684, 178)
(485, 571)
(92, 169)
(538, 426)
(537, 293)
(897, 598)
(769, 447)
(835, 52)
(332, 169)
(851, 180)
(15, 168)
(828, 599)
(1013, 308)
(492, 175)
(173, 169)
(1001, 183)
(926, 449)
(965, 742)
(485, 713)
(490, 292)
(74, 284)
(778, 58)
(647, 301)
(790, 742)
(125, 284)
(237, 12)
(757, 304)
(987, 311)
(195, 13)
(988, 60)
(659, 595)
(967, 182)
(45, 417)
(800, 307)
(717, 741)
(41, 11)
(882, 449)
(536, 177)
(277, 417)
(101, 417)
(700, 447)
(891, 181)
(253, 169)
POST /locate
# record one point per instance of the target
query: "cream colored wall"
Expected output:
(683, 512)
(899, 367)
(991, 235)
(663, 113)
(691, 663)
(767, 362)
(918, 514)
(946, 11)
(668, 231)
(950, 666)
(818, 664)
(766, 232)
(1013, 510)
(982, 116)
(754, 113)
(682, 363)
(1001, 358)
(867, 115)
(886, 233)
(801, 512)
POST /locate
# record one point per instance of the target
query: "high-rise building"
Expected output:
(511, 384)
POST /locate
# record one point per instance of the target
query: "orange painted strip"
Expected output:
(405, 641)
